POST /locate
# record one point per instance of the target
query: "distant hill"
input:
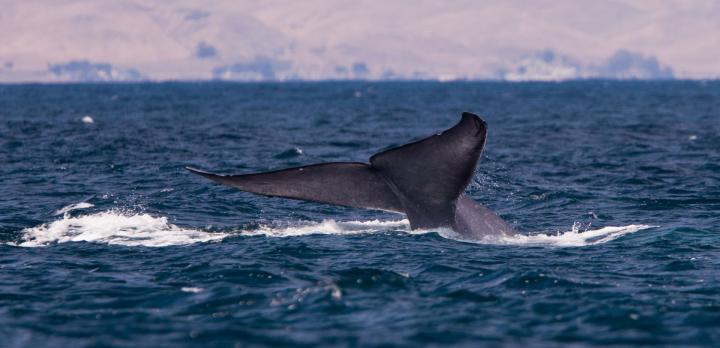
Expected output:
(46, 40)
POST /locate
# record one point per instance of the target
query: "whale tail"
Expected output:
(423, 179)
(429, 175)
(343, 183)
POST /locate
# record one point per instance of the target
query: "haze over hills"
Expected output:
(70, 40)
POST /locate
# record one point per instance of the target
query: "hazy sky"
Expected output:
(57, 40)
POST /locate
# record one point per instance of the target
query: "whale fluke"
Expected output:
(343, 183)
(429, 175)
(424, 179)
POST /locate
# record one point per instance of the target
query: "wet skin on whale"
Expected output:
(424, 180)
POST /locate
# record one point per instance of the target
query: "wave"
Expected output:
(116, 227)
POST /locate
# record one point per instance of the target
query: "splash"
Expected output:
(331, 227)
(68, 208)
(116, 227)
(572, 238)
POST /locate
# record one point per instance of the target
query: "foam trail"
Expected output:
(572, 238)
(113, 227)
(71, 207)
(330, 227)
(133, 229)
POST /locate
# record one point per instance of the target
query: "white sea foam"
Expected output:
(330, 227)
(71, 207)
(141, 229)
(572, 238)
(191, 289)
(114, 227)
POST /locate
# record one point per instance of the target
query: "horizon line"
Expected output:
(290, 81)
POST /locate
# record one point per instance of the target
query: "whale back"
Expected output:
(473, 220)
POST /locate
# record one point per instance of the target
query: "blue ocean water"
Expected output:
(105, 240)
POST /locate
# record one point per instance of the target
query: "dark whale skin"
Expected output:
(424, 179)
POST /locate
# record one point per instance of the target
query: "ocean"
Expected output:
(106, 241)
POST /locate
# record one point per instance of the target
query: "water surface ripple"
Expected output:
(106, 241)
